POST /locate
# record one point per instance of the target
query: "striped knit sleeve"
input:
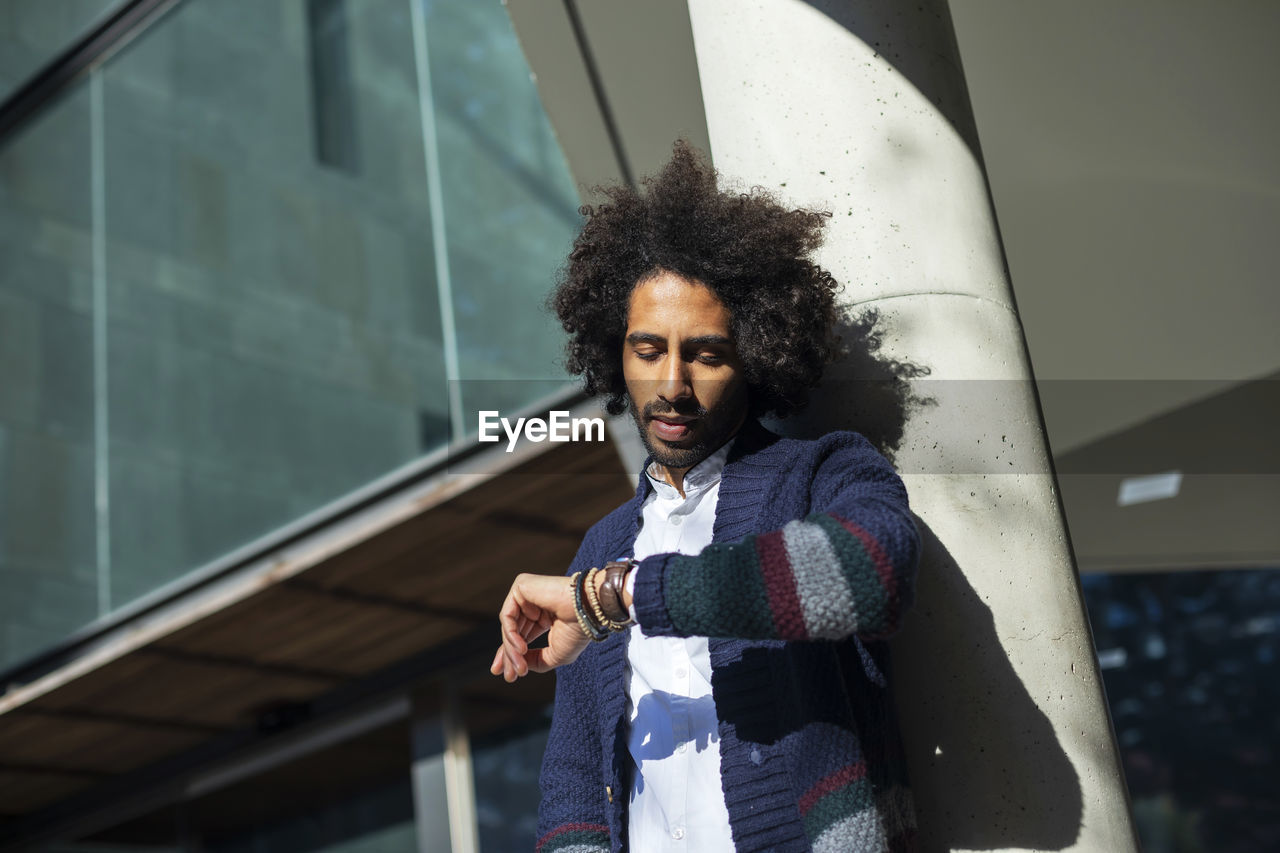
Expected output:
(847, 570)
(575, 838)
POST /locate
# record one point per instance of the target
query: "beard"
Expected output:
(710, 431)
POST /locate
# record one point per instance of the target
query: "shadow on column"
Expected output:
(967, 720)
(893, 29)
(973, 727)
(864, 391)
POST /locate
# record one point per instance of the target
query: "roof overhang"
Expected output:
(383, 599)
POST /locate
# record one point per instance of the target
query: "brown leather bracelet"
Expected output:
(615, 580)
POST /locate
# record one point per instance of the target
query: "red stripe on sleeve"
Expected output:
(879, 559)
(843, 776)
(571, 827)
(780, 586)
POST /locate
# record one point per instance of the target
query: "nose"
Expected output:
(675, 382)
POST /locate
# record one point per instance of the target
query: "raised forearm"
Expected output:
(828, 576)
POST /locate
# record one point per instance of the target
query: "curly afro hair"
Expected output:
(749, 249)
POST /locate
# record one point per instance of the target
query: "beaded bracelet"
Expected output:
(594, 631)
(593, 600)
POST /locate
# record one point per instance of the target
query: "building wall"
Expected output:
(33, 30)
(220, 284)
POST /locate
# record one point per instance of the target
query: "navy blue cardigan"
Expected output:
(811, 566)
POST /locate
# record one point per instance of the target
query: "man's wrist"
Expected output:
(629, 591)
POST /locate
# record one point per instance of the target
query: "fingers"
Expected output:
(509, 617)
(514, 621)
(512, 665)
(495, 668)
(515, 648)
(511, 654)
(521, 620)
(537, 661)
(508, 628)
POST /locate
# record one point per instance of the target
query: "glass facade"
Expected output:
(33, 31)
(1189, 662)
(251, 263)
(505, 766)
(48, 516)
(376, 820)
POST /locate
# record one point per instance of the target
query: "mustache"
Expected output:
(658, 409)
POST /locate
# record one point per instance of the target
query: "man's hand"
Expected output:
(536, 605)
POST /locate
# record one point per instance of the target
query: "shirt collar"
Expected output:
(705, 473)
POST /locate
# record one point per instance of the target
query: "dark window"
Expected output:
(506, 766)
(333, 96)
(1189, 663)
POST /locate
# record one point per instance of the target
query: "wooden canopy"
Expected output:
(391, 599)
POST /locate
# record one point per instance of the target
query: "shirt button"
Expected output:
(676, 519)
(681, 672)
(682, 747)
(677, 833)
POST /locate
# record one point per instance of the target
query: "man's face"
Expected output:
(686, 386)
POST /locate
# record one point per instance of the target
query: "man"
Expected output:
(747, 706)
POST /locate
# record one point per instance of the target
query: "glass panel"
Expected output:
(32, 32)
(48, 581)
(506, 767)
(373, 821)
(247, 191)
(1189, 663)
(510, 206)
(274, 336)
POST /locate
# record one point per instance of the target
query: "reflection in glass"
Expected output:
(333, 102)
(32, 32)
(48, 566)
(1189, 662)
(222, 293)
(509, 203)
(272, 338)
(378, 820)
(506, 766)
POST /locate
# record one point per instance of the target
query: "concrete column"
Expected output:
(860, 108)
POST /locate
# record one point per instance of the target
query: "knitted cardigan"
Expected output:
(811, 565)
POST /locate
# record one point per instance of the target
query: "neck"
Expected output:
(674, 477)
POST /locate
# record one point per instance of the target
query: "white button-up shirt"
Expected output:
(677, 803)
